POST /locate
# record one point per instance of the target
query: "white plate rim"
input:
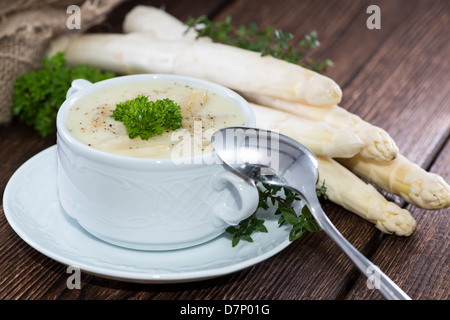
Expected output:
(120, 275)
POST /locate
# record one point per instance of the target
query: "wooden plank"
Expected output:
(340, 24)
(404, 88)
(180, 9)
(18, 143)
(419, 264)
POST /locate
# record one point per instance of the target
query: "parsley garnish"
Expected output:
(269, 41)
(146, 118)
(284, 199)
(38, 94)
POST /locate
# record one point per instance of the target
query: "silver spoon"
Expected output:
(272, 158)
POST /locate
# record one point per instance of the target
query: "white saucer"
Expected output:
(32, 208)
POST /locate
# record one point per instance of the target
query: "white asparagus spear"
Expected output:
(379, 145)
(318, 137)
(158, 23)
(404, 178)
(349, 191)
(230, 66)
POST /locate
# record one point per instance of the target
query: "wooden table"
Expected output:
(396, 77)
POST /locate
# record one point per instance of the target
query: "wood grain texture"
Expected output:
(396, 78)
(404, 87)
(420, 263)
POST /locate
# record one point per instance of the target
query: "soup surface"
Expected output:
(204, 112)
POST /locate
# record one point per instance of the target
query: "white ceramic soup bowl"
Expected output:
(145, 203)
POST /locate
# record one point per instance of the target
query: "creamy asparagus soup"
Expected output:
(89, 120)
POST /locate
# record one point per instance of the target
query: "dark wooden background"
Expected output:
(396, 78)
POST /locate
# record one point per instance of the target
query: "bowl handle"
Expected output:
(245, 190)
(76, 86)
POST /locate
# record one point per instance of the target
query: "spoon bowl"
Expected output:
(271, 158)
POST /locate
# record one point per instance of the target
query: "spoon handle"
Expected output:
(376, 278)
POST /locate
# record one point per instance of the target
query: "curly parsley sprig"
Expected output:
(38, 94)
(268, 41)
(145, 118)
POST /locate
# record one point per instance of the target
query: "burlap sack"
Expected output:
(26, 28)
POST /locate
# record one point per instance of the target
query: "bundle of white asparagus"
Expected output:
(285, 97)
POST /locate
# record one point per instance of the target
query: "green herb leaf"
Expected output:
(322, 190)
(284, 200)
(296, 232)
(38, 94)
(245, 228)
(268, 41)
(146, 118)
(290, 217)
(235, 240)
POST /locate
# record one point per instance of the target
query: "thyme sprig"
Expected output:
(284, 200)
(268, 41)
